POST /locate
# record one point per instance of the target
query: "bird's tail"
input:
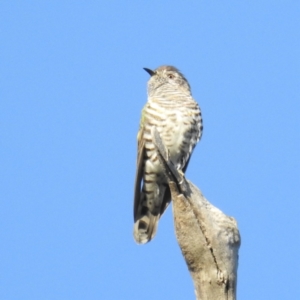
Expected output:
(148, 213)
(145, 226)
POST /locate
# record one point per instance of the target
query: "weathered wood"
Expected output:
(209, 240)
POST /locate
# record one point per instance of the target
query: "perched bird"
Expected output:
(177, 117)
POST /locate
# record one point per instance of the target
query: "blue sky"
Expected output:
(72, 88)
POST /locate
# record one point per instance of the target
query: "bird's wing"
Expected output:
(139, 170)
(186, 164)
(166, 200)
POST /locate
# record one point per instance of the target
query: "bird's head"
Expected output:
(166, 78)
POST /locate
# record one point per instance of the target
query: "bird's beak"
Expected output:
(149, 71)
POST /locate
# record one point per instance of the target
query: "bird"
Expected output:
(177, 117)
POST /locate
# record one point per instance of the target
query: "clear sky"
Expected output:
(72, 88)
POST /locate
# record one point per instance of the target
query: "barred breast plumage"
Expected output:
(177, 117)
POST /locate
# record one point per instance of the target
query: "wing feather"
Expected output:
(139, 173)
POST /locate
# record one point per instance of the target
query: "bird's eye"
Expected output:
(171, 76)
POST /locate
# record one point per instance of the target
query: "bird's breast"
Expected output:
(174, 125)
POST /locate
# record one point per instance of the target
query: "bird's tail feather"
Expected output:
(148, 213)
(145, 226)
